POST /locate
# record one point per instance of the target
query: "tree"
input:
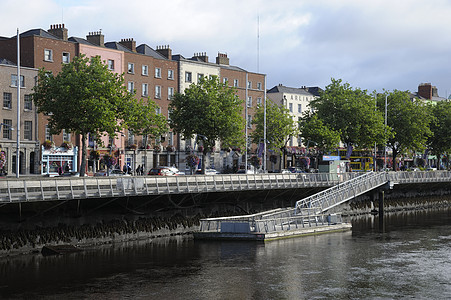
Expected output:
(85, 97)
(212, 111)
(146, 120)
(313, 130)
(279, 126)
(408, 121)
(440, 140)
(351, 112)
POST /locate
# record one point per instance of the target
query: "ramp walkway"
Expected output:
(338, 194)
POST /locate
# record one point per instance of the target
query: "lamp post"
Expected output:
(385, 146)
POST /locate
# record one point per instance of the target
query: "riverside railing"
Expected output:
(32, 189)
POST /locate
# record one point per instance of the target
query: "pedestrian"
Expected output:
(138, 170)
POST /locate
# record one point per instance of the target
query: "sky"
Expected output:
(373, 45)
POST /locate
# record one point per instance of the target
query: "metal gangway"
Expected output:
(267, 222)
(338, 194)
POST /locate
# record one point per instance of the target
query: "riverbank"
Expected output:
(110, 230)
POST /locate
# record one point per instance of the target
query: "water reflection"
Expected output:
(410, 257)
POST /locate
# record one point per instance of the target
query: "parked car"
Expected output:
(165, 171)
(208, 171)
(113, 172)
(296, 170)
(70, 174)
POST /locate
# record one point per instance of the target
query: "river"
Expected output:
(409, 256)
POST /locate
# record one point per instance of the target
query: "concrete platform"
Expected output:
(265, 237)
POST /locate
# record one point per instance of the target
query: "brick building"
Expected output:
(151, 73)
(29, 143)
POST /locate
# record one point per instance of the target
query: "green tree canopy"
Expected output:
(212, 111)
(408, 121)
(440, 140)
(85, 97)
(351, 112)
(279, 126)
(314, 131)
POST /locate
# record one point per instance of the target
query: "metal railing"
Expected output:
(69, 188)
(266, 222)
(342, 192)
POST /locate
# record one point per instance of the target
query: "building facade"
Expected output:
(28, 141)
(150, 73)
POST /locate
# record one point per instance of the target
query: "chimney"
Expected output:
(425, 90)
(434, 91)
(222, 59)
(96, 38)
(59, 31)
(201, 56)
(129, 44)
(165, 51)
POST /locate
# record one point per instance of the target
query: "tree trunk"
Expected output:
(394, 155)
(83, 156)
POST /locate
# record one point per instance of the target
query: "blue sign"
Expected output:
(331, 157)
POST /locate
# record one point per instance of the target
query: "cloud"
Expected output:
(372, 44)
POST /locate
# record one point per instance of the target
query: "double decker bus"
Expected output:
(360, 160)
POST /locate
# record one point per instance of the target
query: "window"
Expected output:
(28, 102)
(188, 77)
(259, 85)
(145, 139)
(170, 138)
(158, 92)
(27, 130)
(290, 105)
(200, 76)
(299, 108)
(66, 135)
(131, 68)
(14, 80)
(157, 73)
(249, 101)
(145, 70)
(235, 82)
(131, 138)
(158, 110)
(170, 92)
(48, 136)
(66, 57)
(48, 55)
(131, 87)
(249, 121)
(249, 84)
(225, 80)
(145, 88)
(259, 101)
(171, 74)
(111, 65)
(7, 97)
(7, 125)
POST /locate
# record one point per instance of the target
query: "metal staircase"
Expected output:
(322, 201)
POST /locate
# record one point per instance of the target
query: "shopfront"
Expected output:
(55, 161)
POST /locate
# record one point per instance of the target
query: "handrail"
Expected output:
(33, 189)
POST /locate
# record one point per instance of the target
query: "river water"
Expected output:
(408, 256)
